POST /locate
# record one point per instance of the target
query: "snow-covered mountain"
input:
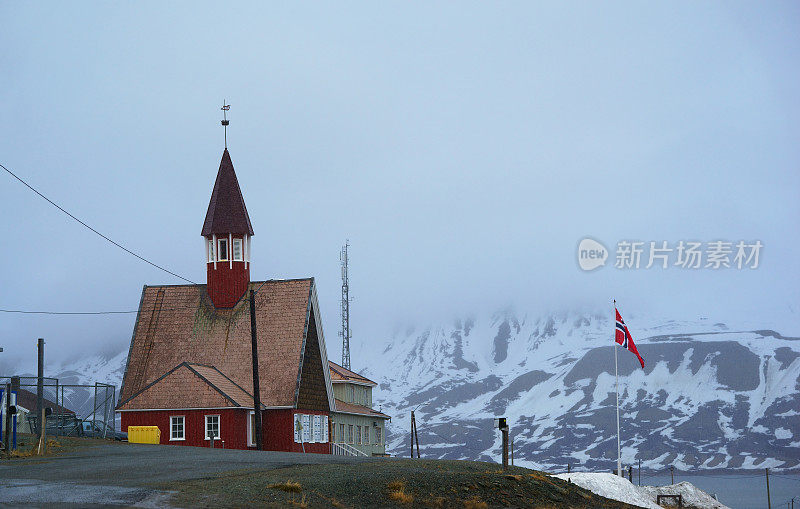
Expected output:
(711, 395)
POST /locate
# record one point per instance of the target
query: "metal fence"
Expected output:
(72, 409)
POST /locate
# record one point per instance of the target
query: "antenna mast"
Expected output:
(345, 332)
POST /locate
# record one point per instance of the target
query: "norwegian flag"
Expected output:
(623, 337)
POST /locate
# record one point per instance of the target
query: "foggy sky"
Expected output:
(463, 148)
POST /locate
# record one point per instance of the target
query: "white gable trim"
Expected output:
(323, 352)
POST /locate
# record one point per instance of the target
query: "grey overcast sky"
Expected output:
(464, 148)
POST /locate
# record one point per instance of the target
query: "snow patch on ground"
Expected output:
(692, 496)
(618, 488)
(610, 486)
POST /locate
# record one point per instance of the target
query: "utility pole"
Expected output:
(630, 474)
(640, 471)
(512, 451)
(40, 397)
(672, 474)
(256, 383)
(505, 447)
(769, 503)
(345, 332)
(414, 434)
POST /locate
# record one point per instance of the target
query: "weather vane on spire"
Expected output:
(225, 121)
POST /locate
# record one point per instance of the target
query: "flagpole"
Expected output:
(616, 376)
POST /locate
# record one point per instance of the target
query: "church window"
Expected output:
(222, 253)
(237, 250)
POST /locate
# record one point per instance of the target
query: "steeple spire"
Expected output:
(227, 230)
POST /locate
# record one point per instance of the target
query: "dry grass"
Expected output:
(52, 446)
(288, 486)
(434, 502)
(302, 504)
(475, 503)
(401, 496)
(396, 485)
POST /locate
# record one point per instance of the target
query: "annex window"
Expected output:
(358, 435)
(237, 250)
(212, 427)
(365, 438)
(333, 432)
(378, 435)
(251, 428)
(306, 428)
(349, 433)
(210, 250)
(318, 428)
(350, 396)
(222, 252)
(176, 428)
(341, 432)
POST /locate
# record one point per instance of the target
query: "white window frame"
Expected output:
(318, 434)
(342, 433)
(298, 419)
(358, 435)
(237, 243)
(306, 428)
(251, 437)
(172, 437)
(219, 426)
(365, 436)
(378, 435)
(210, 250)
(351, 433)
(221, 251)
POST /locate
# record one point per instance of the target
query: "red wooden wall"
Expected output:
(277, 428)
(233, 426)
(278, 435)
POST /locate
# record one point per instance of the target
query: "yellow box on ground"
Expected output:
(144, 435)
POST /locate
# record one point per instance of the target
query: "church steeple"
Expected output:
(227, 230)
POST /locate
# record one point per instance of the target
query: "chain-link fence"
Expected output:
(79, 410)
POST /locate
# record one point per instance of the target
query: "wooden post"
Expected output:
(505, 447)
(256, 384)
(769, 503)
(412, 434)
(512, 451)
(569, 467)
(7, 413)
(672, 474)
(40, 397)
(630, 474)
(640, 471)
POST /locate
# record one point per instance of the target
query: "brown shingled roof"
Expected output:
(179, 324)
(189, 385)
(226, 210)
(340, 374)
(350, 408)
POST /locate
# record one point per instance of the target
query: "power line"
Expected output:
(51, 202)
(23, 312)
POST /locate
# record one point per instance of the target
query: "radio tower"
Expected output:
(345, 332)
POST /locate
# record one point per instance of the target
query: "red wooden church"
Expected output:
(189, 368)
